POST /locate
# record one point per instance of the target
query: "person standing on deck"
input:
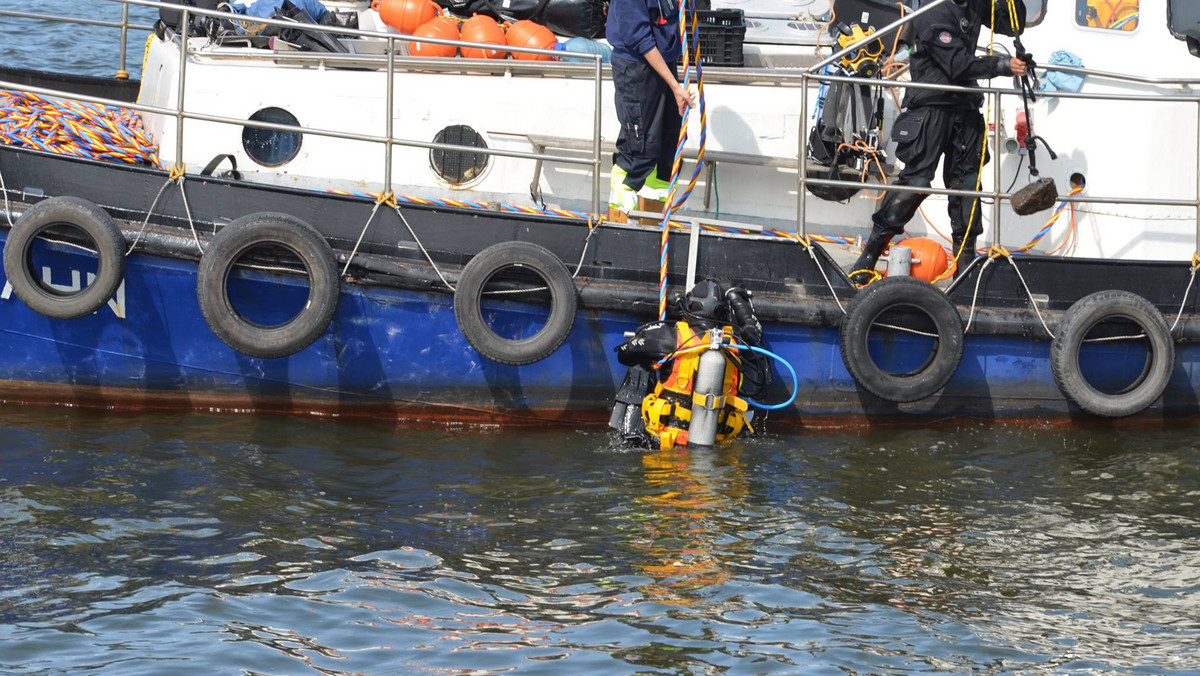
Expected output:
(940, 126)
(650, 102)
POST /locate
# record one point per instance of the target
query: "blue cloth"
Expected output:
(636, 26)
(1055, 80)
(265, 9)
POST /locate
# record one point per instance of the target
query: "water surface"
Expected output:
(138, 544)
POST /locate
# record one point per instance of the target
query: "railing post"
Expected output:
(1198, 177)
(801, 160)
(996, 180)
(185, 25)
(389, 106)
(596, 161)
(122, 73)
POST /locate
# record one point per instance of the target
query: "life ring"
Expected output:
(470, 290)
(899, 293)
(71, 213)
(223, 253)
(1079, 321)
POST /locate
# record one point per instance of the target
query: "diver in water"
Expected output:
(940, 124)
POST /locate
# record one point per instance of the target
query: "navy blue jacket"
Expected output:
(635, 26)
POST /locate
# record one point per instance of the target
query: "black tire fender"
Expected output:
(863, 313)
(469, 292)
(81, 215)
(1072, 331)
(218, 261)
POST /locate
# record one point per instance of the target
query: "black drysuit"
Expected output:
(939, 124)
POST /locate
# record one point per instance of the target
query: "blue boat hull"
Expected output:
(398, 354)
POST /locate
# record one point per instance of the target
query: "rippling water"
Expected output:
(203, 544)
(143, 544)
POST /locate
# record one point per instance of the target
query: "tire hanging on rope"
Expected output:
(916, 296)
(1079, 321)
(65, 217)
(472, 287)
(268, 229)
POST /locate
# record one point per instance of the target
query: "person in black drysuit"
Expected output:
(940, 125)
(650, 102)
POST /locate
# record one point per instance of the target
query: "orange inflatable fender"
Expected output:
(405, 15)
(526, 33)
(441, 27)
(929, 259)
(480, 28)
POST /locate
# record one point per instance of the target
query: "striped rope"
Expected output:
(75, 128)
(674, 203)
(1024, 248)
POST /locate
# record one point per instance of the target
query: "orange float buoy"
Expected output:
(441, 27)
(480, 28)
(405, 15)
(929, 259)
(526, 33)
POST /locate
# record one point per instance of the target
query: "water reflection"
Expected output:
(130, 543)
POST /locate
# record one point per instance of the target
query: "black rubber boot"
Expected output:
(968, 254)
(869, 256)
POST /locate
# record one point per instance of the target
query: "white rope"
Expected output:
(828, 283)
(361, 234)
(7, 205)
(1186, 291)
(146, 221)
(1029, 293)
(586, 241)
(975, 297)
(186, 210)
(422, 248)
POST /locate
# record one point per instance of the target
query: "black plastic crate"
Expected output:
(722, 33)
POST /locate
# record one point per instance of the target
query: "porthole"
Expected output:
(458, 167)
(271, 147)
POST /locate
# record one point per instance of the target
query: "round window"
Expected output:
(458, 167)
(270, 147)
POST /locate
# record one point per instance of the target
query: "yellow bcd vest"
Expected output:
(667, 410)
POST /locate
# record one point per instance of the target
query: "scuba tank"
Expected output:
(706, 397)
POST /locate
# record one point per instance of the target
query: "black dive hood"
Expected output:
(1003, 25)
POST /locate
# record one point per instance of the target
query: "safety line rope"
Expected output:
(675, 203)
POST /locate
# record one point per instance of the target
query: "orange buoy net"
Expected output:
(73, 128)
(526, 33)
(405, 15)
(441, 27)
(481, 28)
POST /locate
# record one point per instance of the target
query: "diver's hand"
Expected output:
(1018, 66)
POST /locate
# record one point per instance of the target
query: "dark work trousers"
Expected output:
(649, 121)
(955, 134)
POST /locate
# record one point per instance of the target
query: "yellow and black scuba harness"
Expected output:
(667, 410)
(688, 379)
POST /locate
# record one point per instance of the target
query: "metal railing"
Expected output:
(810, 77)
(389, 60)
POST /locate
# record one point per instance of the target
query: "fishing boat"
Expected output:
(368, 230)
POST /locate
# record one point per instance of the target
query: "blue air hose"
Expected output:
(795, 380)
